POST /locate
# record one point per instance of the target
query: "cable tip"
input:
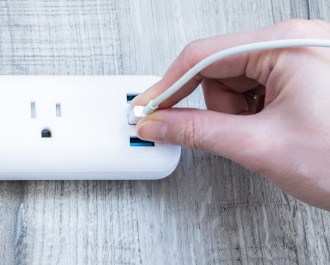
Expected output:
(149, 108)
(136, 114)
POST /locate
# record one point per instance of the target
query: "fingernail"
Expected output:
(152, 131)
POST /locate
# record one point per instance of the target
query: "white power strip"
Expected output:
(76, 127)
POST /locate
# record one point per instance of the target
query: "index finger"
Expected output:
(251, 65)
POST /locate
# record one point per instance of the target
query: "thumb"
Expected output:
(237, 137)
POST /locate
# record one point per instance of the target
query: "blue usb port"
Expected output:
(130, 97)
(135, 141)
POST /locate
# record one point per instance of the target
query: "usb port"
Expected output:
(130, 97)
(135, 141)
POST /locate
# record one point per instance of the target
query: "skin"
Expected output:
(267, 110)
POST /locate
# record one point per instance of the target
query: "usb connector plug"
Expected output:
(136, 114)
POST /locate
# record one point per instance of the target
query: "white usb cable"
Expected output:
(140, 111)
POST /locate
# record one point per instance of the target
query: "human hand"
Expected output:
(267, 110)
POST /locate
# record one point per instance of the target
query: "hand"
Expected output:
(267, 110)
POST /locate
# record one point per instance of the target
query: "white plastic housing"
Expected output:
(90, 134)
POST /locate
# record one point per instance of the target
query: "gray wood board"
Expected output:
(210, 210)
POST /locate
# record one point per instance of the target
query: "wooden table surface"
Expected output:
(210, 210)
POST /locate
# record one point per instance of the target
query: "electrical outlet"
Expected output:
(76, 127)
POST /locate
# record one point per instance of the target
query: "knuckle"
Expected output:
(190, 53)
(320, 22)
(192, 133)
(321, 28)
(304, 29)
(300, 28)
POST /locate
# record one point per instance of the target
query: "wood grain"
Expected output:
(210, 210)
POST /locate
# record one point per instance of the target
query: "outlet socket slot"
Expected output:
(58, 110)
(33, 110)
(130, 97)
(46, 133)
(135, 141)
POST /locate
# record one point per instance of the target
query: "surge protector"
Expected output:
(76, 127)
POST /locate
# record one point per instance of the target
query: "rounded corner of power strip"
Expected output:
(159, 169)
(176, 159)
